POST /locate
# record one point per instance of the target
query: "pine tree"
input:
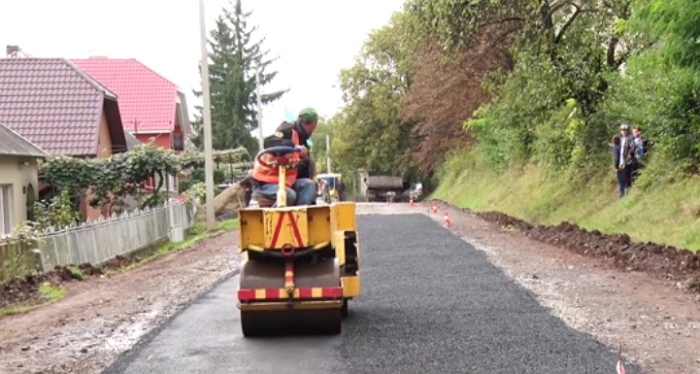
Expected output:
(233, 62)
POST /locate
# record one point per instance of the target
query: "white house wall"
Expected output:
(20, 176)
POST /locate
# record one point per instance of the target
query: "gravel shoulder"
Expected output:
(103, 317)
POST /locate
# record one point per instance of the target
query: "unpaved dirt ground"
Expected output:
(103, 317)
(594, 288)
(653, 315)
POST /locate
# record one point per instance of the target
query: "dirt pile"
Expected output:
(617, 249)
(20, 291)
(25, 291)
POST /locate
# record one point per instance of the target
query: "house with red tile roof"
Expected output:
(152, 107)
(62, 110)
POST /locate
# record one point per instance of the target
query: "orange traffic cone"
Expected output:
(434, 209)
(447, 221)
(620, 367)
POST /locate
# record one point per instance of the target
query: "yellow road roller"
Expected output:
(330, 191)
(300, 263)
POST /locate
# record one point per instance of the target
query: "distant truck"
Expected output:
(377, 185)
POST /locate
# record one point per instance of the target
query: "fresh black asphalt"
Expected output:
(430, 304)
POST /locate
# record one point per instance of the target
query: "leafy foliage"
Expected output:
(56, 213)
(111, 180)
(445, 92)
(672, 24)
(368, 132)
(198, 175)
(457, 25)
(661, 87)
(73, 175)
(195, 158)
(544, 82)
(150, 161)
(546, 109)
(234, 60)
(198, 192)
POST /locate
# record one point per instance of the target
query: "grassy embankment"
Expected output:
(664, 212)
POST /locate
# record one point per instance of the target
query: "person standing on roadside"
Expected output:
(621, 182)
(628, 149)
(641, 149)
(341, 189)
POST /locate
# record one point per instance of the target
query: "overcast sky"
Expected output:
(314, 39)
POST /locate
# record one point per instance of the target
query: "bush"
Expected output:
(57, 213)
(199, 175)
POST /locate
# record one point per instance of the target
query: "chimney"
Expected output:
(12, 50)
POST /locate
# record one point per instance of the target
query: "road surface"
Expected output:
(431, 304)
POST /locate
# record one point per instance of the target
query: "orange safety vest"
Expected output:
(263, 172)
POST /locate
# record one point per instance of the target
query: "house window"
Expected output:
(6, 210)
(178, 142)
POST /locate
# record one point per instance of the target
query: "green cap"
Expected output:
(308, 115)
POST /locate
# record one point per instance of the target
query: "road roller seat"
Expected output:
(264, 201)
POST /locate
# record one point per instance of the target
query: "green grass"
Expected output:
(197, 233)
(663, 212)
(76, 272)
(49, 294)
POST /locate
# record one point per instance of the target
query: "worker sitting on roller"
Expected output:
(300, 191)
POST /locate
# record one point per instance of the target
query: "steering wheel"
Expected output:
(278, 153)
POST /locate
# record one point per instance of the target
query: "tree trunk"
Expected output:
(229, 200)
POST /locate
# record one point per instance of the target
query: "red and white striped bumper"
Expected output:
(282, 294)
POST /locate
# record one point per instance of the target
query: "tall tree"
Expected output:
(370, 133)
(233, 62)
(544, 104)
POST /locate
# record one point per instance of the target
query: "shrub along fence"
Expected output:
(17, 258)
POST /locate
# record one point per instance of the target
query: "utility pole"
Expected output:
(260, 127)
(328, 152)
(208, 160)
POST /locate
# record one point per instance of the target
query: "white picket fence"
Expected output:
(98, 241)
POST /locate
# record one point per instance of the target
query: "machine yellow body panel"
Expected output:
(351, 286)
(287, 226)
(316, 225)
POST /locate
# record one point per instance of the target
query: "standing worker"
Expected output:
(301, 189)
(247, 184)
(341, 189)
